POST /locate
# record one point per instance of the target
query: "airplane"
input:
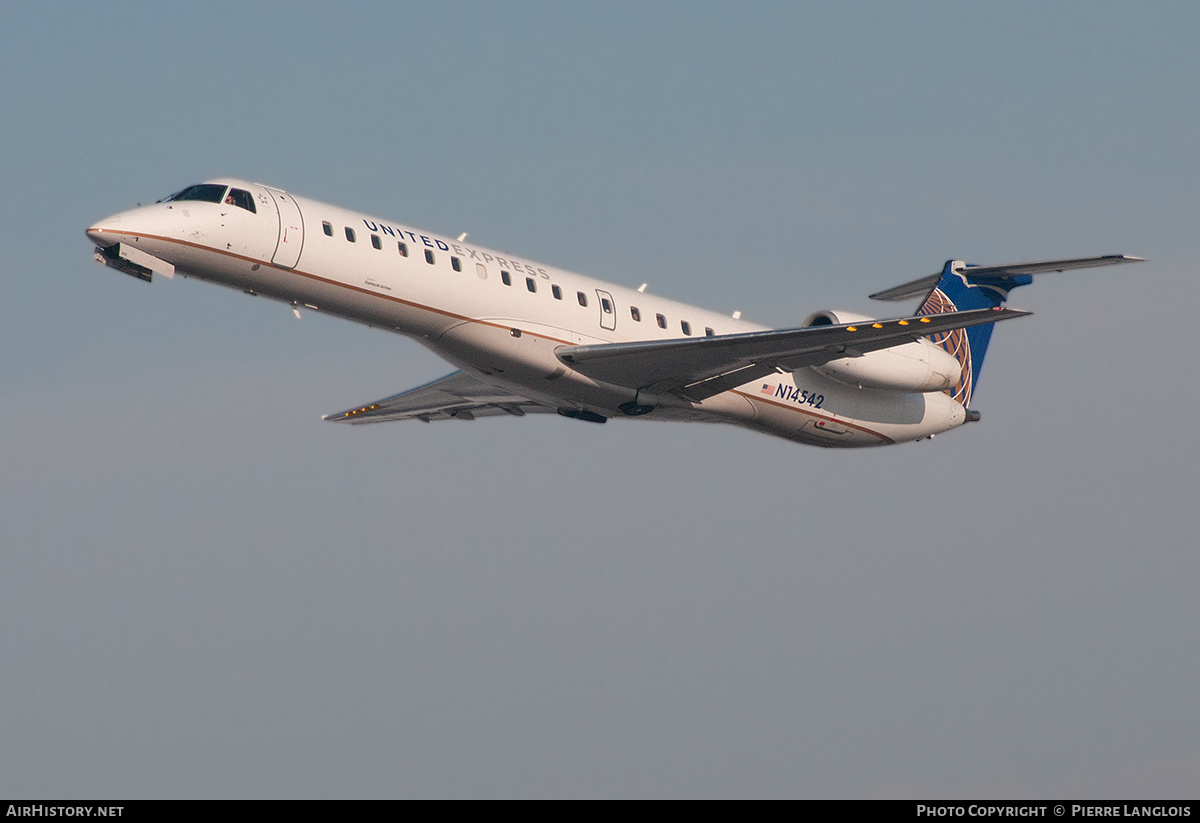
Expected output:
(528, 338)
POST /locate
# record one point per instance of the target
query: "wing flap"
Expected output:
(457, 396)
(702, 367)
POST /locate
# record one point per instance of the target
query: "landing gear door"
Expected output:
(608, 311)
(291, 229)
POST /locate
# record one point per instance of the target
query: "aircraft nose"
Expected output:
(104, 232)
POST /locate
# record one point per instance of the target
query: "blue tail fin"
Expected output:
(958, 290)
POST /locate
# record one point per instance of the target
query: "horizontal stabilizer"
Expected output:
(698, 368)
(455, 396)
(922, 286)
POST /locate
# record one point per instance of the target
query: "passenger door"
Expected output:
(291, 229)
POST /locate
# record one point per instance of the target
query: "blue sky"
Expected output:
(206, 591)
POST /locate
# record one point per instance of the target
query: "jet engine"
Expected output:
(920, 366)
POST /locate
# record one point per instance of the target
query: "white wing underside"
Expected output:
(457, 396)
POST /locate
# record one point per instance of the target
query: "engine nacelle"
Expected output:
(919, 367)
(830, 317)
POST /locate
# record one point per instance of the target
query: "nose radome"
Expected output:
(102, 232)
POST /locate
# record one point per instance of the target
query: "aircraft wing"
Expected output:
(456, 396)
(698, 368)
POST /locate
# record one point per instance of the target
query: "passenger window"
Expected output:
(328, 227)
(505, 278)
(376, 242)
(403, 247)
(606, 305)
(429, 256)
(662, 321)
(686, 326)
(557, 292)
(241, 199)
(350, 234)
(530, 284)
(635, 314)
(455, 264)
(582, 299)
(708, 332)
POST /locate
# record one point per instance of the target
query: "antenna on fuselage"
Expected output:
(462, 237)
(642, 288)
(737, 315)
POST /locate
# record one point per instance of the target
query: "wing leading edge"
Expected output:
(457, 396)
(700, 368)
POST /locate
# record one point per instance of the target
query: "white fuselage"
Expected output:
(497, 317)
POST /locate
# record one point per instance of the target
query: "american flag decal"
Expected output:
(768, 388)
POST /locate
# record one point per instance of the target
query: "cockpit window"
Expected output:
(241, 199)
(205, 192)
